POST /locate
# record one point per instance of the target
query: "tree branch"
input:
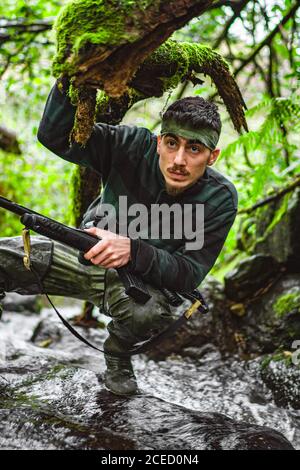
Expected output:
(268, 39)
(272, 198)
(225, 3)
(237, 11)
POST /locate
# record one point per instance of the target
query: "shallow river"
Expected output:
(53, 397)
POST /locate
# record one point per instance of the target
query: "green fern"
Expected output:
(279, 112)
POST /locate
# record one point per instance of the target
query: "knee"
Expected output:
(142, 320)
(152, 317)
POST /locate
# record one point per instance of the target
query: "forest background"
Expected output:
(260, 41)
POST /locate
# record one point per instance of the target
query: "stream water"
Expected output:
(53, 397)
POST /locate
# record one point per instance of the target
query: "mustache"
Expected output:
(178, 169)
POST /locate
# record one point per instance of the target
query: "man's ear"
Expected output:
(159, 138)
(213, 156)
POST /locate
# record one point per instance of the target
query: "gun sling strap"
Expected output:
(198, 304)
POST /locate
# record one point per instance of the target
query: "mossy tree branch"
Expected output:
(119, 55)
(116, 47)
(101, 43)
(171, 64)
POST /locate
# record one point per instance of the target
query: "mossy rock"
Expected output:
(287, 303)
(277, 230)
(282, 376)
(250, 275)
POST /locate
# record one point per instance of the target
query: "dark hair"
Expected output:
(195, 110)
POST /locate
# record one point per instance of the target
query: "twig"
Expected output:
(272, 198)
(229, 23)
(268, 39)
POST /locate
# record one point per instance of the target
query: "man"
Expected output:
(174, 167)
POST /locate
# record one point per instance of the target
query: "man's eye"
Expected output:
(195, 149)
(171, 143)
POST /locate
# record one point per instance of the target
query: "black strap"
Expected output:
(153, 341)
(64, 321)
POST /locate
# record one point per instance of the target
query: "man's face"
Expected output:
(182, 161)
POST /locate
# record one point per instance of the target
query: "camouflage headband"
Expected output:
(206, 135)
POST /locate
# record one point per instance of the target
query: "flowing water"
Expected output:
(53, 397)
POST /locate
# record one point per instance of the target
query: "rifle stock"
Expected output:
(75, 238)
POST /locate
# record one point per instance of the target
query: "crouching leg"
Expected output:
(56, 266)
(131, 323)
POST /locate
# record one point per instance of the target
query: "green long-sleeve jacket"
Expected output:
(127, 160)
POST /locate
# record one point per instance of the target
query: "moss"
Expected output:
(180, 58)
(60, 369)
(73, 94)
(20, 399)
(185, 57)
(82, 23)
(277, 356)
(286, 303)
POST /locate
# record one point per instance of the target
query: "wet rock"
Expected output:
(54, 398)
(283, 379)
(261, 324)
(277, 230)
(47, 332)
(67, 408)
(215, 328)
(249, 276)
(273, 319)
(13, 302)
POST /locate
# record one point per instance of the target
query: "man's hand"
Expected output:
(113, 251)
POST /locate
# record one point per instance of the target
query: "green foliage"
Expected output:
(268, 147)
(32, 183)
(27, 28)
(278, 112)
(286, 303)
(279, 356)
(256, 162)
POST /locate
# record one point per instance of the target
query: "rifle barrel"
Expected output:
(16, 208)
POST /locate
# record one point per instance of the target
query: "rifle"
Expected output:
(134, 286)
(75, 238)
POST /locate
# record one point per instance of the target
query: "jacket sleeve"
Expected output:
(183, 270)
(105, 144)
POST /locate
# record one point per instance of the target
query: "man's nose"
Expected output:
(180, 156)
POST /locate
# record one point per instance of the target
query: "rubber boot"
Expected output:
(119, 376)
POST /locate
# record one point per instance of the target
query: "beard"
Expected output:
(174, 191)
(171, 190)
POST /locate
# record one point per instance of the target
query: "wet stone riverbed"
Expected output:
(52, 396)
